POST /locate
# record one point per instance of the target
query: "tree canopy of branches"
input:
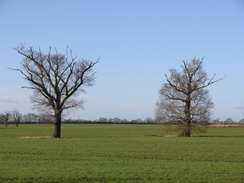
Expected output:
(5, 118)
(184, 99)
(56, 80)
(16, 117)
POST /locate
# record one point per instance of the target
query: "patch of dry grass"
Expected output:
(37, 137)
(226, 126)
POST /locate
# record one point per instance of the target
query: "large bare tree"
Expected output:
(56, 80)
(184, 99)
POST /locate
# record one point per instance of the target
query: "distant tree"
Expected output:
(149, 120)
(5, 118)
(30, 118)
(116, 120)
(241, 121)
(102, 120)
(139, 120)
(124, 121)
(56, 80)
(16, 117)
(1, 118)
(184, 99)
(216, 121)
(228, 121)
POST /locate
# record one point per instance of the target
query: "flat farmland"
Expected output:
(120, 153)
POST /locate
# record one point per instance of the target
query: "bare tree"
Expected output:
(56, 80)
(102, 120)
(229, 121)
(184, 99)
(149, 120)
(5, 118)
(241, 121)
(30, 118)
(16, 117)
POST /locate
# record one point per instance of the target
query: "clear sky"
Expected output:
(138, 41)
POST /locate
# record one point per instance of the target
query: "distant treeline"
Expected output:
(70, 121)
(15, 117)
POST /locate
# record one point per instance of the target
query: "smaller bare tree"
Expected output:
(184, 99)
(30, 118)
(16, 117)
(5, 118)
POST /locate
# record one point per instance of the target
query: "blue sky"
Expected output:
(138, 41)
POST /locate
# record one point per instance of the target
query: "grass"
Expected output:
(120, 153)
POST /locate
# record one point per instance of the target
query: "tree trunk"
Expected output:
(187, 130)
(57, 125)
(187, 123)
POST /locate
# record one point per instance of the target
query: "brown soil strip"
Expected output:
(38, 137)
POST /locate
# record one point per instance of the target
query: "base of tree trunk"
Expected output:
(184, 135)
(57, 130)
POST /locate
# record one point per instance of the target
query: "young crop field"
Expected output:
(120, 153)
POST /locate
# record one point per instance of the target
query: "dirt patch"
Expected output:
(38, 137)
(170, 136)
(226, 126)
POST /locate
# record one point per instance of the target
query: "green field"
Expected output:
(120, 153)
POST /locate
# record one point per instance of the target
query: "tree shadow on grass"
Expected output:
(196, 136)
(220, 136)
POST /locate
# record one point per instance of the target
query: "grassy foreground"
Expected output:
(120, 153)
